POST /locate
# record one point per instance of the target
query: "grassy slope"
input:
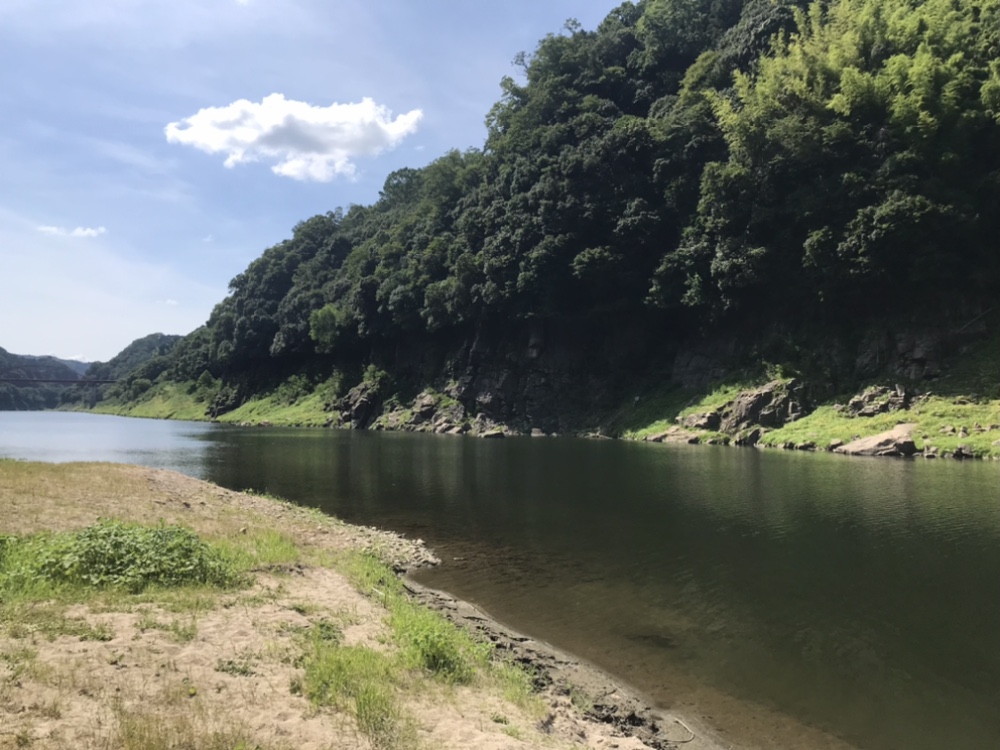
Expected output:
(174, 401)
(961, 408)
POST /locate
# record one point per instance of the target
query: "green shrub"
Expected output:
(112, 554)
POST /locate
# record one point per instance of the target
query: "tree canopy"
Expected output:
(688, 160)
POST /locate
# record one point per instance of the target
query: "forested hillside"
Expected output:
(18, 393)
(695, 185)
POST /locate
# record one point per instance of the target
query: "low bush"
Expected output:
(111, 554)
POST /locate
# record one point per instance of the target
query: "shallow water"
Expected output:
(798, 600)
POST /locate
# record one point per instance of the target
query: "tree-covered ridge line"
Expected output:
(688, 168)
(19, 394)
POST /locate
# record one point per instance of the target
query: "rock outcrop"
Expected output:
(878, 400)
(894, 442)
(744, 419)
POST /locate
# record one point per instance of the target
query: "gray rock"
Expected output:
(771, 405)
(878, 400)
(708, 421)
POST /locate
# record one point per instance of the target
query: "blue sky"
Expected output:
(152, 149)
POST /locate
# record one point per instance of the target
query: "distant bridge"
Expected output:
(63, 381)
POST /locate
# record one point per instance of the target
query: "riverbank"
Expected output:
(220, 667)
(766, 414)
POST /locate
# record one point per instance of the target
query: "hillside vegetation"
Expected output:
(692, 192)
(19, 393)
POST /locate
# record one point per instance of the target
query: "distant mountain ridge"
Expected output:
(30, 367)
(21, 396)
(77, 366)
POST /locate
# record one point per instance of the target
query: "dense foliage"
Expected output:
(136, 366)
(687, 164)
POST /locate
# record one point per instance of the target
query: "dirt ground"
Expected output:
(145, 673)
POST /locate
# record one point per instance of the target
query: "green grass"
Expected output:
(934, 418)
(649, 413)
(967, 395)
(658, 411)
(367, 682)
(182, 401)
(260, 548)
(162, 401)
(430, 643)
(182, 631)
(362, 681)
(307, 411)
(111, 566)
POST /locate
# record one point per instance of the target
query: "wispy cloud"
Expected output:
(78, 232)
(90, 303)
(306, 141)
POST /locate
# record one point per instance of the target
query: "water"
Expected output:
(794, 600)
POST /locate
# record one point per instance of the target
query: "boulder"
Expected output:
(963, 452)
(894, 442)
(672, 435)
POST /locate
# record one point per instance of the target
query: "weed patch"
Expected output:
(112, 554)
(430, 642)
(359, 680)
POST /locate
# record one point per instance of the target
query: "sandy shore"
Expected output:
(119, 675)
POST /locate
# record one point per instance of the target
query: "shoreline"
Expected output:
(607, 700)
(896, 442)
(582, 704)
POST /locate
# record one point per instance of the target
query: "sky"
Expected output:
(150, 149)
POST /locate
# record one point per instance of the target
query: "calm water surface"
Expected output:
(792, 600)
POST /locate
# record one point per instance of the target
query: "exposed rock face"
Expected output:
(360, 404)
(879, 400)
(556, 377)
(771, 405)
(746, 417)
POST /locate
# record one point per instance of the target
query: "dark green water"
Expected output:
(793, 600)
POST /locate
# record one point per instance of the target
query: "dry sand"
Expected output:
(224, 675)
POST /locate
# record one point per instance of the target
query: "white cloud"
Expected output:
(308, 142)
(170, 302)
(78, 232)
